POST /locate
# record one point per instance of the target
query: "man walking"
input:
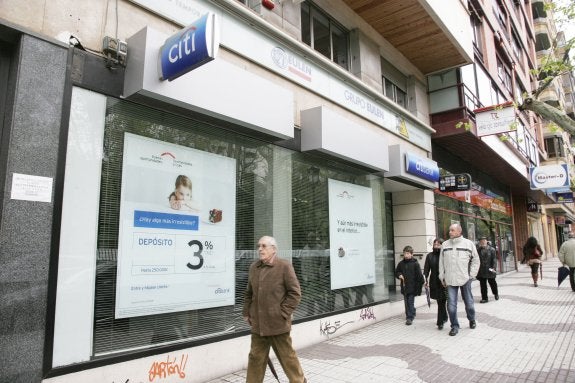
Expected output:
(487, 273)
(567, 257)
(272, 295)
(458, 265)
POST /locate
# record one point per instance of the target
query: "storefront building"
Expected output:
(135, 197)
(502, 202)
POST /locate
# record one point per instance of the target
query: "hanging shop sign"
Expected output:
(564, 197)
(549, 177)
(532, 206)
(495, 119)
(455, 182)
(177, 229)
(421, 167)
(190, 47)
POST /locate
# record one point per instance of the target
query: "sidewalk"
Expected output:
(528, 335)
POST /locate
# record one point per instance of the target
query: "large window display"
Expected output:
(182, 204)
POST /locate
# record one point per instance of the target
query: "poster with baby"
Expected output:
(177, 229)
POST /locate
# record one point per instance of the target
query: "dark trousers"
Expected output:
(259, 353)
(442, 310)
(483, 286)
(572, 277)
(409, 301)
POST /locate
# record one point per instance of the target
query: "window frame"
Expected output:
(333, 26)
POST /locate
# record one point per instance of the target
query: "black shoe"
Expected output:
(440, 326)
(484, 301)
(497, 297)
(409, 322)
(472, 324)
(453, 331)
(534, 284)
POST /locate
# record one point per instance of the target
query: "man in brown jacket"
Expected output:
(272, 295)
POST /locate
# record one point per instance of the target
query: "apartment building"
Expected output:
(148, 145)
(503, 202)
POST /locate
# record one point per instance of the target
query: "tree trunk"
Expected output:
(549, 113)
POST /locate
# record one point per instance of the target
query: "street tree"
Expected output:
(558, 62)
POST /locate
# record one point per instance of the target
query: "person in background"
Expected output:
(458, 265)
(487, 269)
(436, 290)
(532, 253)
(271, 297)
(567, 257)
(409, 273)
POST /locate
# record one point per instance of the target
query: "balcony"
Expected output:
(430, 42)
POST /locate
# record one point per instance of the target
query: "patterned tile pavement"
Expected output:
(528, 335)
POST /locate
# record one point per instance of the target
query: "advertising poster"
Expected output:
(351, 237)
(177, 229)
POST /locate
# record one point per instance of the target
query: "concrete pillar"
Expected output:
(413, 222)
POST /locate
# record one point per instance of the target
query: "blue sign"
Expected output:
(421, 167)
(190, 48)
(564, 197)
(155, 220)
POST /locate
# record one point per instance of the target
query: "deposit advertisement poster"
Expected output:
(177, 229)
(351, 237)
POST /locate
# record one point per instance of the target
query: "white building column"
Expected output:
(413, 222)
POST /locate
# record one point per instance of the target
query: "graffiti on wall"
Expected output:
(169, 367)
(367, 313)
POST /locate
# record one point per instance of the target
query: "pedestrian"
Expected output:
(409, 273)
(436, 289)
(532, 253)
(567, 257)
(458, 266)
(271, 296)
(487, 269)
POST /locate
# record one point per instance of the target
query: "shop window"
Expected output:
(324, 34)
(144, 153)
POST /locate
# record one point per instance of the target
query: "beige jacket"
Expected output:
(458, 261)
(567, 252)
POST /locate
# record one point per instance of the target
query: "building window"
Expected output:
(501, 15)
(325, 35)
(394, 83)
(394, 92)
(554, 147)
(477, 36)
(504, 74)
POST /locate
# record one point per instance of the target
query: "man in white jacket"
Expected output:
(458, 266)
(567, 257)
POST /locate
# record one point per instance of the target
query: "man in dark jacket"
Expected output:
(409, 273)
(487, 267)
(272, 295)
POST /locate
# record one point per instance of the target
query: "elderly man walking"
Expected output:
(567, 257)
(458, 266)
(272, 295)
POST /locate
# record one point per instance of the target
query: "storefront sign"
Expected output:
(495, 119)
(455, 182)
(190, 48)
(549, 177)
(565, 197)
(421, 167)
(532, 207)
(351, 235)
(177, 229)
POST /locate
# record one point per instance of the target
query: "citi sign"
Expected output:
(190, 47)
